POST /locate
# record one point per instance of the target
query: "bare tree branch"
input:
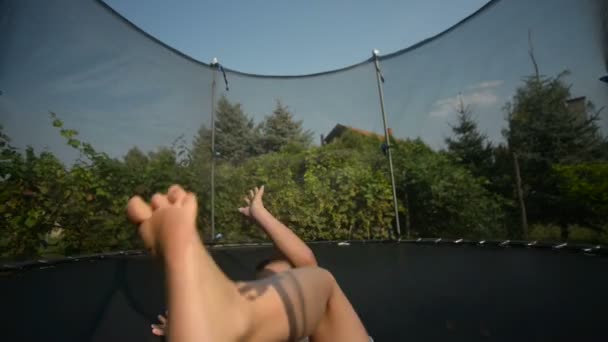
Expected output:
(531, 53)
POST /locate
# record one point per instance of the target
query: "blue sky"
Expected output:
(278, 37)
(120, 89)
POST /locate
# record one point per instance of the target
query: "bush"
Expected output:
(540, 232)
(603, 239)
(321, 193)
(338, 191)
(445, 199)
(584, 235)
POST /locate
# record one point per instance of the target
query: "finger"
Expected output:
(162, 319)
(247, 200)
(251, 194)
(161, 327)
(244, 211)
(138, 210)
(159, 201)
(176, 194)
(261, 192)
(158, 332)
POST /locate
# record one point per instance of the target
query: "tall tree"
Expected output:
(469, 146)
(135, 158)
(543, 131)
(235, 136)
(281, 129)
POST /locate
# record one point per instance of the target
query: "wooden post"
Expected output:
(520, 196)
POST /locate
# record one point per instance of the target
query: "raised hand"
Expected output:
(254, 203)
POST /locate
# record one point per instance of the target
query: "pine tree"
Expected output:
(470, 147)
(280, 129)
(544, 131)
(235, 136)
(135, 158)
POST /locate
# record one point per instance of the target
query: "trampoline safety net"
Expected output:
(493, 130)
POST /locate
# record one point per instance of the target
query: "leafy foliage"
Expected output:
(543, 130)
(340, 190)
(585, 188)
(445, 199)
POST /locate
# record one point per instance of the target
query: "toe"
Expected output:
(138, 210)
(190, 201)
(159, 201)
(176, 194)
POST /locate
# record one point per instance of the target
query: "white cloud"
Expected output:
(486, 85)
(481, 94)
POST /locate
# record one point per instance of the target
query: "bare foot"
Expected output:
(255, 206)
(168, 219)
(205, 305)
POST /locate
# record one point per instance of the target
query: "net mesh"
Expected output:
(107, 111)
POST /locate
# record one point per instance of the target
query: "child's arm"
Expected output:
(288, 243)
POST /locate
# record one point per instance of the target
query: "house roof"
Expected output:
(339, 129)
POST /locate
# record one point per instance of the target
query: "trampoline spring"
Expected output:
(530, 244)
(505, 243)
(438, 240)
(458, 241)
(343, 243)
(482, 242)
(592, 249)
(418, 239)
(560, 246)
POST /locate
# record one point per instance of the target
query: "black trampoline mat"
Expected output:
(401, 291)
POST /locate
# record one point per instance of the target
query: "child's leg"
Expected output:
(204, 304)
(340, 322)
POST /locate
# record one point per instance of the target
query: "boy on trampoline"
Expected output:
(291, 299)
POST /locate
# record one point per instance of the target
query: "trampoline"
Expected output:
(129, 94)
(473, 292)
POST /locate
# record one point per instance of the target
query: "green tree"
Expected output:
(135, 158)
(443, 199)
(585, 187)
(280, 129)
(543, 130)
(468, 146)
(235, 136)
(322, 193)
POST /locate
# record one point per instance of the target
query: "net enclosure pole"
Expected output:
(214, 66)
(380, 80)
